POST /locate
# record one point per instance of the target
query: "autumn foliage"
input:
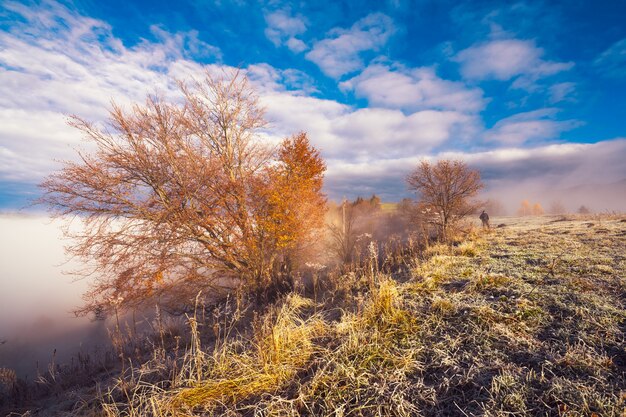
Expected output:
(528, 209)
(294, 204)
(181, 198)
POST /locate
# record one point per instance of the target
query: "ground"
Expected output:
(527, 319)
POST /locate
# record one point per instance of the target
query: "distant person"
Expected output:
(484, 217)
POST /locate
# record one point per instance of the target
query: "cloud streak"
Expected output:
(533, 126)
(612, 61)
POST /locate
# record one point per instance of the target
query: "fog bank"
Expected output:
(37, 298)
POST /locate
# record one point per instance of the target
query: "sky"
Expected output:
(531, 93)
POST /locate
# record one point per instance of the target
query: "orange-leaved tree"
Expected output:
(174, 197)
(294, 206)
(445, 190)
(525, 208)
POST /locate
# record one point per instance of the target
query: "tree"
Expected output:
(537, 210)
(584, 210)
(295, 204)
(375, 202)
(446, 188)
(557, 207)
(351, 223)
(525, 209)
(178, 198)
(494, 207)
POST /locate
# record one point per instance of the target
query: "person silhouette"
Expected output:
(484, 217)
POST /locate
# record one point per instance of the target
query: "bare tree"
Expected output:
(494, 207)
(353, 226)
(172, 197)
(557, 207)
(446, 188)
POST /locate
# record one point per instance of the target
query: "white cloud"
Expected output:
(296, 45)
(343, 133)
(542, 173)
(505, 59)
(24, 156)
(267, 79)
(83, 66)
(282, 29)
(413, 89)
(383, 134)
(562, 92)
(340, 53)
(533, 126)
(613, 60)
(79, 70)
(184, 45)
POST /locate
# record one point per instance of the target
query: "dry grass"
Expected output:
(524, 320)
(528, 320)
(236, 370)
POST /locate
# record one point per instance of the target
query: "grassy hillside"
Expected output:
(388, 207)
(526, 320)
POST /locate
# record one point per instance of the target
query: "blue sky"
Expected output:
(531, 93)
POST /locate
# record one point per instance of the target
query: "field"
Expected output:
(388, 207)
(528, 319)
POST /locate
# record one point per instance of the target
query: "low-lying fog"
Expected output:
(36, 298)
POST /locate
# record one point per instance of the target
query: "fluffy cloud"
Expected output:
(538, 125)
(340, 53)
(78, 71)
(381, 133)
(413, 89)
(267, 79)
(414, 112)
(296, 45)
(347, 134)
(282, 29)
(88, 65)
(184, 45)
(504, 59)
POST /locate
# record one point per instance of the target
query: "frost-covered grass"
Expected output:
(527, 319)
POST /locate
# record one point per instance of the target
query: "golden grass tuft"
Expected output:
(283, 344)
(437, 249)
(443, 306)
(467, 248)
(490, 281)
